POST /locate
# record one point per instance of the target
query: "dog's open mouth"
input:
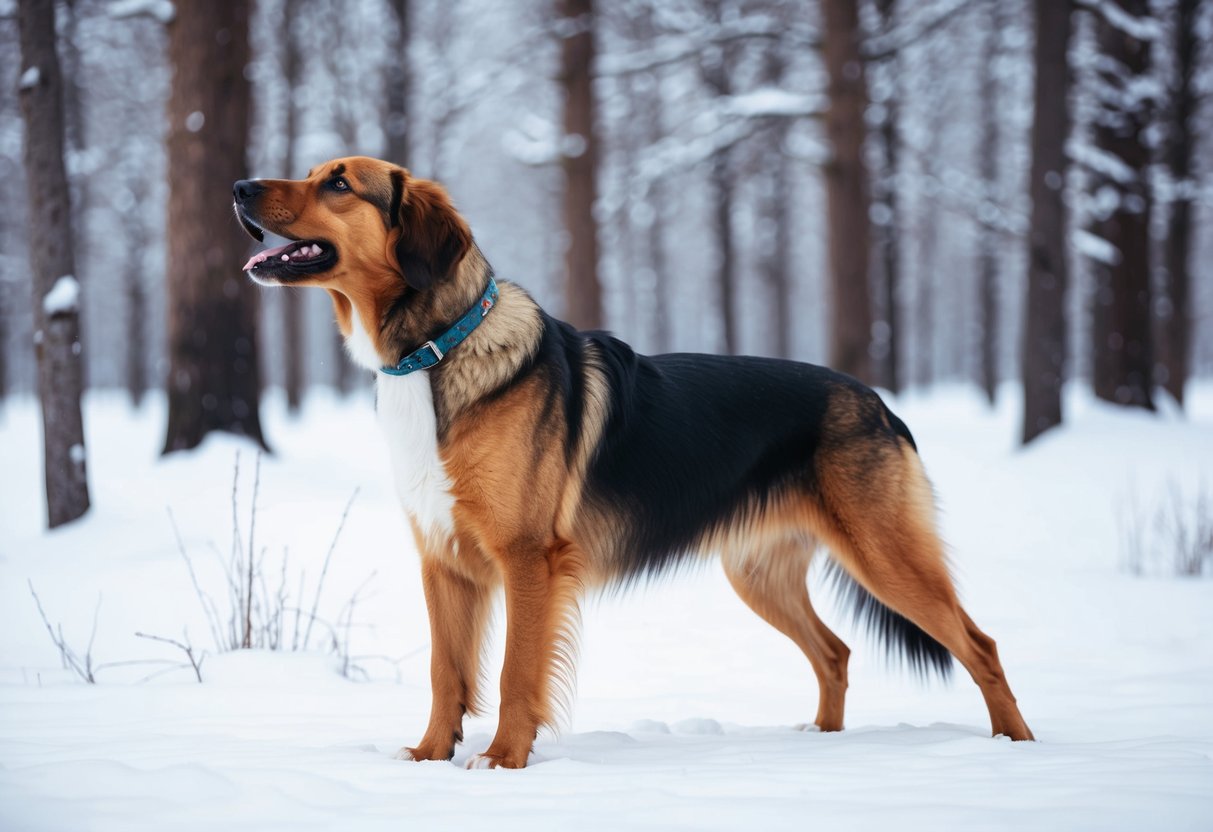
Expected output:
(295, 259)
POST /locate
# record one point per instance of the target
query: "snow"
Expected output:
(1095, 247)
(1145, 28)
(773, 101)
(1101, 161)
(29, 78)
(688, 706)
(63, 298)
(162, 11)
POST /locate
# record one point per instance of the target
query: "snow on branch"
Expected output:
(1100, 161)
(1094, 247)
(887, 44)
(673, 49)
(534, 141)
(162, 11)
(1141, 28)
(773, 101)
(676, 153)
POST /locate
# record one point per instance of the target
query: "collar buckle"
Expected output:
(430, 353)
(432, 347)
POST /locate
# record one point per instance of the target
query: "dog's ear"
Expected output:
(433, 236)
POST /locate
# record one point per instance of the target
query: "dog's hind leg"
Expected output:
(881, 528)
(772, 581)
(459, 609)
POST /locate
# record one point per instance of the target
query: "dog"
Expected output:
(545, 461)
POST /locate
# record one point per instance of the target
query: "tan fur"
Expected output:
(521, 520)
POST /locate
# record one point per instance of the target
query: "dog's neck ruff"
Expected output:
(431, 352)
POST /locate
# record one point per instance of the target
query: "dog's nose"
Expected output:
(246, 189)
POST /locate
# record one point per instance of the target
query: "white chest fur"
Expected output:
(405, 410)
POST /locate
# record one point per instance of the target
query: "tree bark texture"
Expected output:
(774, 231)
(56, 326)
(988, 243)
(889, 234)
(136, 303)
(579, 161)
(716, 70)
(292, 299)
(214, 378)
(1174, 326)
(1121, 327)
(847, 197)
(720, 181)
(1044, 345)
(399, 77)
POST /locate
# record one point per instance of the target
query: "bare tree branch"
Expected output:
(187, 648)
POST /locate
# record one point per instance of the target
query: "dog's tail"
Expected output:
(902, 639)
(899, 427)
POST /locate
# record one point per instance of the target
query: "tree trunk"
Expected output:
(399, 76)
(5, 219)
(927, 322)
(1175, 324)
(1044, 346)
(659, 265)
(889, 233)
(847, 198)
(55, 289)
(214, 377)
(3, 338)
(136, 302)
(579, 161)
(988, 242)
(776, 243)
(1123, 354)
(75, 138)
(774, 232)
(716, 70)
(292, 299)
(722, 227)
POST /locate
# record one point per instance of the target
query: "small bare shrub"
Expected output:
(1172, 536)
(82, 666)
(270, 612)
(256, 611)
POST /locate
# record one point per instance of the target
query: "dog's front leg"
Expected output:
(459, 609)
(525, 675)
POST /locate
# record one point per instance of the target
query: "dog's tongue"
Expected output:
(262, 256)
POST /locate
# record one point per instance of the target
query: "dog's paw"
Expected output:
(420, 753)
(487, 760)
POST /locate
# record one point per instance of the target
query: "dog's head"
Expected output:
(366, 230)
(352, 216)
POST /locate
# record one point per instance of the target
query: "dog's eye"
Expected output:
(339, 184)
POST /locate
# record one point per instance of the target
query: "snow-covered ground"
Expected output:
(687, 702)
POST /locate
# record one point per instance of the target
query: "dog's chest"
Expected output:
(405, 410)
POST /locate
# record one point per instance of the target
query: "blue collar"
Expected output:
(431, 352)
